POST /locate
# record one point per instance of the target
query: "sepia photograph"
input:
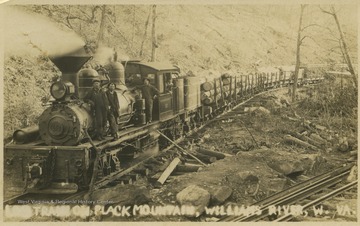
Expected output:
(176, 111)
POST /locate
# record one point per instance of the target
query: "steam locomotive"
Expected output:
(58, 155)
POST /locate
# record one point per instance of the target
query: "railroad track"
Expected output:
(297, 193)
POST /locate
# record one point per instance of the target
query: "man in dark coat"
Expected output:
(148, 92)
(113, 113)
(99, 104)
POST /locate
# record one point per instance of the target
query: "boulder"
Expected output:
(243, 175)
(353, 174)
(287, 167)
(194, 196)
(220, 195)
(277, 184)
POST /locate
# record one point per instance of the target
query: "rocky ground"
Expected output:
(262, 162)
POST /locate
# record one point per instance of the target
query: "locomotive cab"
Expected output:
(166, 78)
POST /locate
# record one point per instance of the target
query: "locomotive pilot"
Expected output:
(113, 112)
(100, 106)
(149, 93)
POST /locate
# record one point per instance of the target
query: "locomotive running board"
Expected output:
(56, 188)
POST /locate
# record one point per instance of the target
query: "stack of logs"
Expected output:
(217, 90)
(312, 139)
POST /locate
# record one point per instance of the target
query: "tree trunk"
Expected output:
(345, 52)
(297, 66)
(154, 41)
(145, 34)
(102, 26)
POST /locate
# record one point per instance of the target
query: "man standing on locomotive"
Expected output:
(149, 93)
(113, 113)
(99, 105)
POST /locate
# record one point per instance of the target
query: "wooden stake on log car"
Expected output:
(291, 139)
(168, 171)
(194, 157)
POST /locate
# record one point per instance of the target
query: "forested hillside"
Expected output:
(200, 38)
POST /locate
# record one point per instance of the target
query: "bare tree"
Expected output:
(102, 26)
(145, 34)
(343, 45)
(154, 40)
(298, 45)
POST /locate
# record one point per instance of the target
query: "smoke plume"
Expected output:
(31, 34)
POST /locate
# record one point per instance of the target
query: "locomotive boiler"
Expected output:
(56, 156)
(68, 117)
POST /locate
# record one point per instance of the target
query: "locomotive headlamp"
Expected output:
(60, 90)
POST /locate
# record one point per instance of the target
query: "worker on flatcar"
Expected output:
(149, 93)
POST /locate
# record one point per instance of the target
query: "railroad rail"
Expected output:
(297, 193)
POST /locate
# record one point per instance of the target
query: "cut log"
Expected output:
(192, 164)
(177, 173)
(205, 158)
(306, 139)
(216, 154)
(317, 138)
(191, 161)
(207, 101)
(187, 168)
(291, 139)
(206, 86)
(318, 127)
(343, 145)
(225, 81)
(168, 171)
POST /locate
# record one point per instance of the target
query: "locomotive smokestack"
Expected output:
(69, 64)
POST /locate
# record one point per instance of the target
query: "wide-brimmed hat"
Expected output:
(96, 80)
(111, 83)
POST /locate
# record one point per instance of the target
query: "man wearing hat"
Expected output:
(148, 92)
(99, 105)
(113, 113)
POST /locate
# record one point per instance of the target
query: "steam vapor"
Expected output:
(31, 34)
(105, 55)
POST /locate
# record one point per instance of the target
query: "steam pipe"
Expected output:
(26, 135)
